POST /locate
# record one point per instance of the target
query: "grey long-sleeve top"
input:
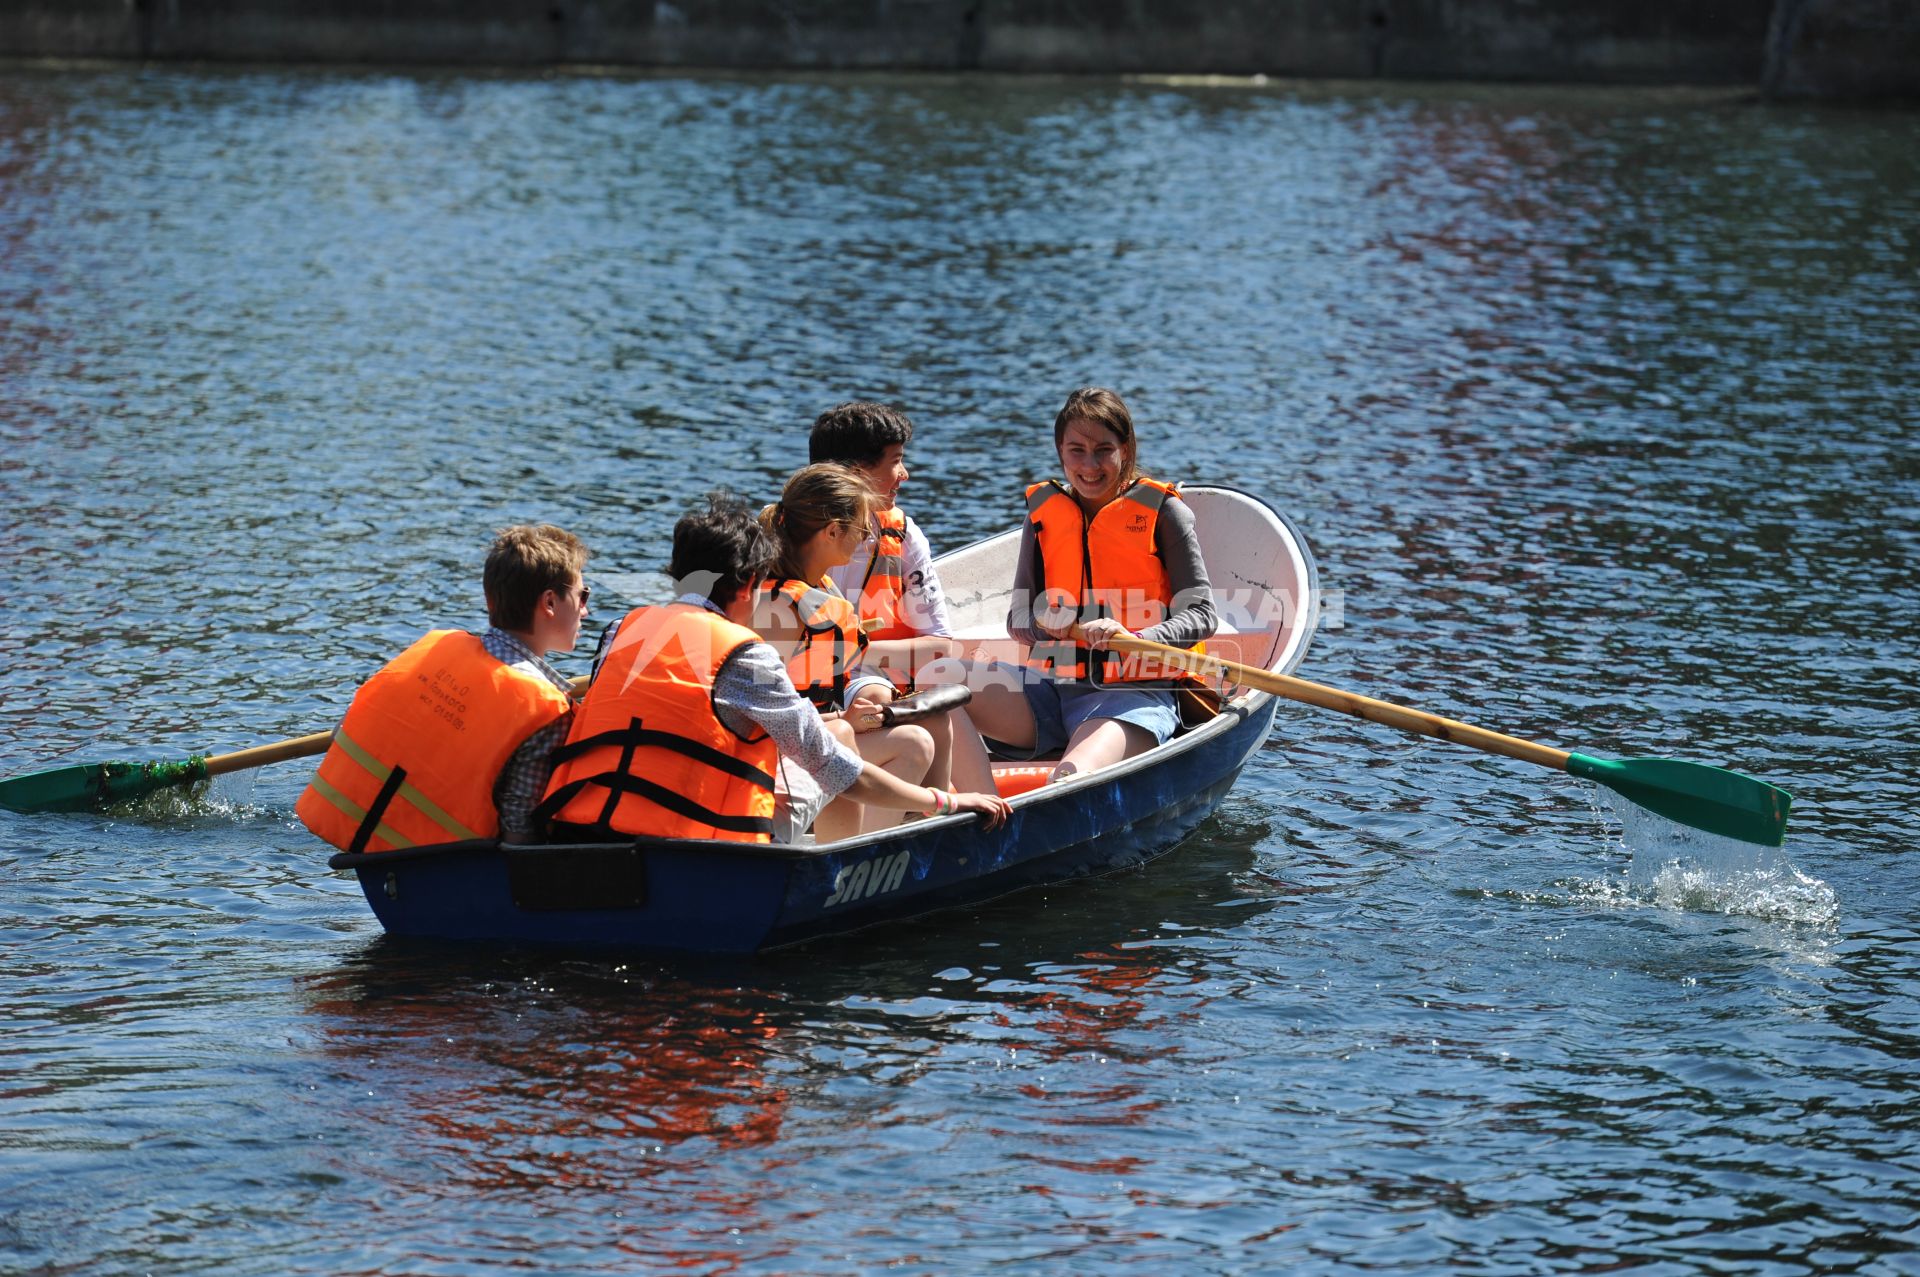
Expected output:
(1193, 617)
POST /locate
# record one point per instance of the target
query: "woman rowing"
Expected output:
(1105, 554)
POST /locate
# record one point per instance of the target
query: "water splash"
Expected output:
(223, 799)
(1677, 867)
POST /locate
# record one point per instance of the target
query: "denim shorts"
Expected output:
(1060, 708)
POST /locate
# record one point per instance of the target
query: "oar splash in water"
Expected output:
(1679, 867)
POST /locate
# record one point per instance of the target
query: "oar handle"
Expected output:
(1383, 712)
(261, 755)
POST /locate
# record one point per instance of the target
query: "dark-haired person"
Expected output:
(890, 577)
(1116, 553)
(690, 714)
(450, 739)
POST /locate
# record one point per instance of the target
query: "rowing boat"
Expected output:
(729, 897)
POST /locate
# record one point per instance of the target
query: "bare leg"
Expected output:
(907, 752)
(1001, 711)
(969, 770)
(1100, 742)
(940, 773)
(840, 820)
(998, 709)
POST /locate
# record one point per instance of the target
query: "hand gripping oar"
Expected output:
(87, 786)
(90, 786)
(1709, 798)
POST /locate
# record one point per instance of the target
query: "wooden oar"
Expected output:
(92, 786)
(89, 786)
(1708, 798)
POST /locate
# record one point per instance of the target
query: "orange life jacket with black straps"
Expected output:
(834, 641)
(1103, 567)
(648, 755)
(416, 758)
(883, 592)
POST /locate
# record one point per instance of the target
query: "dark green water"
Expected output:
(1596, 408)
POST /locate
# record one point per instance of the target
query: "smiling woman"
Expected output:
(1108, 554)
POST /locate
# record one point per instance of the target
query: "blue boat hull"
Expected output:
(705, 897)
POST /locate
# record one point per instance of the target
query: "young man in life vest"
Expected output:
(891, 577)
(690, 716)
(450, 740)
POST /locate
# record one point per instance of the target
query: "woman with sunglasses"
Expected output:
(823, 514)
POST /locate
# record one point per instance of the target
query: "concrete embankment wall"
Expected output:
(1821, 48)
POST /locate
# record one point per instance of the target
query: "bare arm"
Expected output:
(878, 787)
(753, 687)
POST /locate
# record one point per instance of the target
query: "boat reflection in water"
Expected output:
(520, 1069)
(524, 1075)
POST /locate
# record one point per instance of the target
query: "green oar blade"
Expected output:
(92, 786)
(1710, 798)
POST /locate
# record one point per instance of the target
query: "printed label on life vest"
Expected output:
(446, 696)
(869, 878)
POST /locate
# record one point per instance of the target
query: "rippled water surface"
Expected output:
(1596, 408)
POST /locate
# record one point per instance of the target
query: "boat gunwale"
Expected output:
(1231, 713)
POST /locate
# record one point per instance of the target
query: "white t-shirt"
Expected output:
(922, 605)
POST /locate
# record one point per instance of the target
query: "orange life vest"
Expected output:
(416, 758)
(1104, 567)
(648, 754)
(883, 592)
(833, 644)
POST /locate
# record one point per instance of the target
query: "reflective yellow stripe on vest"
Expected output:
(1147, 495)
(357, 814)
(380, 771)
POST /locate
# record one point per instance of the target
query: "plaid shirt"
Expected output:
(524, 779)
